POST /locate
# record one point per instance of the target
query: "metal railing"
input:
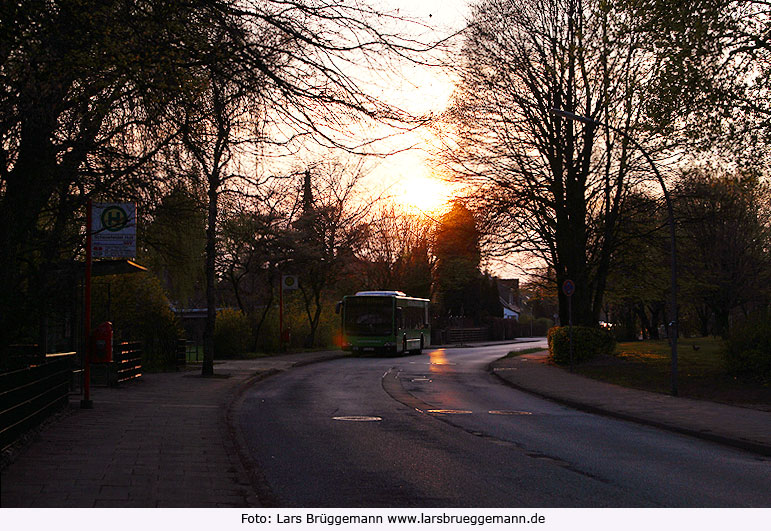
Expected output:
(29, 395)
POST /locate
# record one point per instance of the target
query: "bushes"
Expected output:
(587, 343)
(232, 334)
(748, 349)
(139, 311)
(296, 322)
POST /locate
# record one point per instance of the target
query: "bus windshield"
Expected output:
(369, 316)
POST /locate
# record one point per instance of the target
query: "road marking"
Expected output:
(358, 418)
(508, 412)
(450, 411)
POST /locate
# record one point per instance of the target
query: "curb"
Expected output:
(741, 444)
(489, 344)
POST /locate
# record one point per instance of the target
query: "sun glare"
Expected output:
(424, 193)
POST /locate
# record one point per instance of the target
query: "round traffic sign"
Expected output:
(568, 287)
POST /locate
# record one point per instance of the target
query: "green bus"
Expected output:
(384, 321)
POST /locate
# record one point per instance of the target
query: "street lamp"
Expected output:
(673, 251)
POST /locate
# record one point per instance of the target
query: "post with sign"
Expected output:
(110, 233)
(568, 288)
(86, 402)
(288, 282)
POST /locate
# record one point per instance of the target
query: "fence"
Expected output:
(465, 335)
(128, 361)
(126, 365)
(29, 395)
(21, 357)
(181, 357)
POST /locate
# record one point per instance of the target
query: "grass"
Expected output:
(532, 350)
(701, 371)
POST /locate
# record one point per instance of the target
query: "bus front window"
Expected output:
(369, 316)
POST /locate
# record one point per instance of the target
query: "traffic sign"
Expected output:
(289, 282)
(114, 230)
(568, 288)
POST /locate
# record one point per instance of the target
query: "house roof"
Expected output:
(508, 293)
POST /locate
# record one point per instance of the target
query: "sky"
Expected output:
(407, 176)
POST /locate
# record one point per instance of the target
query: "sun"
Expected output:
(424, 193)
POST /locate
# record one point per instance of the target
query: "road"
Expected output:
(438, 430)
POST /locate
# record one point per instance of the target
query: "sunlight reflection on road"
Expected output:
(439, 362)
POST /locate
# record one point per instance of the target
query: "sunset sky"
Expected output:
(407, 177)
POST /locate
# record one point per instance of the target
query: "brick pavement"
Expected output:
(161, 441)
(741, 427)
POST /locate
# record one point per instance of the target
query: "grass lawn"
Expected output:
(532, 350)
(701, 372)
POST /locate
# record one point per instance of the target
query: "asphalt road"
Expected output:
(438, 430)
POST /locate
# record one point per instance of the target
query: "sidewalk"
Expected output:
(744, 428)
(160, 441)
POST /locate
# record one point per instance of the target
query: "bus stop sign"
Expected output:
(114, 230)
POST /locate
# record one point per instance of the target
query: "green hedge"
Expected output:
(587, 343)
(232, 334)
(139, 310)
(748, 349)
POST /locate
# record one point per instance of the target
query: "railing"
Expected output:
(127, 362)
(466, 335)
(181, 359)
(126, 365)
(21, 357)
(28, 396)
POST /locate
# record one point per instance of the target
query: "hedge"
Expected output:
(587, 343)
(748, 349)
(232, 334)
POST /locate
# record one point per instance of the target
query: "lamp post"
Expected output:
(673, 328)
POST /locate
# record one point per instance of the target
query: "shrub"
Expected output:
(139, 310)
(232, 334)
(587, 343)
(748, 349)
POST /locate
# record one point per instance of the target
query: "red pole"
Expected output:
(281, 313)
(86, 403)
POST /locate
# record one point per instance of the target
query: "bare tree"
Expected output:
(545, 186)
(218, 122)
(330, 229)
(397, 252)
(256, 241)
(286, 68)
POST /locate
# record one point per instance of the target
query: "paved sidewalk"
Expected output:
(745, 428)
(160, 441)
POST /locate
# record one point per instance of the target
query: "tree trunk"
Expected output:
(704, 314)
(207, 368)
(656, 312)
(721, 321)
(646, 324)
